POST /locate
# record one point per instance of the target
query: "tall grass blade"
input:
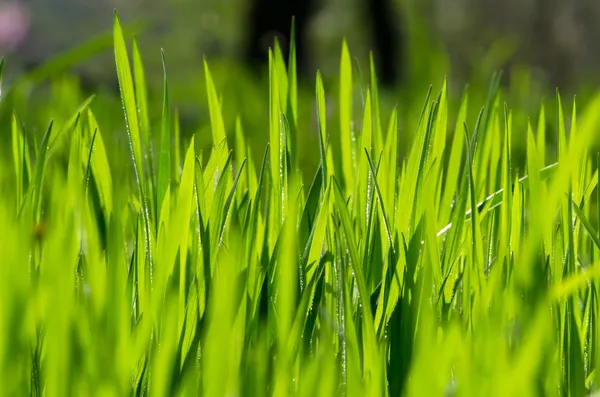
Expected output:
(454, 162)
(346, 134)
(321, 116)
(293, 88)
(100, 167)
(377, 130)
(164, 160)
(36, 188)
(141, 95)
(133, 131)
(220, 147)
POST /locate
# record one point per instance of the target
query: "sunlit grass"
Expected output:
(443, 270)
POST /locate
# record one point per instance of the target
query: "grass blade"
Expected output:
(377, 130)
(454, 163)
(19, 148)
(381, 202)
(346, 135)
(321, 115)
(38, 175)
(129, 103)
(133, 132)
(141, 95)
(587, 225)
(541, 136)
(164, 161)
(100, 167)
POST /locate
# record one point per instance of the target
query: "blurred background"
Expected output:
(539, 44)
(558, 38)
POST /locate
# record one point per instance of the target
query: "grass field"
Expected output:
(450, 268)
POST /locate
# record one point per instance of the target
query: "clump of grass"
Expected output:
(441, 271)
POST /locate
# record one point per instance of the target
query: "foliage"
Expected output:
(438, 271)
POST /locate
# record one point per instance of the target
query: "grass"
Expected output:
(442, 270)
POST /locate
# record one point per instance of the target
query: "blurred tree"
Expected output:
(272, 18)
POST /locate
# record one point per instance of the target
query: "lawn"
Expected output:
(366, 250)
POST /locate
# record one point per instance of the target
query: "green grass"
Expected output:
(136, 263)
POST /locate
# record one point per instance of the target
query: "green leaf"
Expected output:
(535, 188)
(438, 141)
(304, 307)
(286, 281)
(141, 95)
(313, 249)
(220, 148)
(439, 135)
(100, 167)
(164, 161)
(364, 177)
(377, 130)
(587, 225)
(229, 201)
(292, 95)
(368, 329)
(220, 330)
(276, 142)
(454, 163)
(20, 154)
(311, 205)
(495, 199)
(254, 244)
(241, 153)
(59, 133)
(477, 250)
(181, 218)
(425, 163)
(405, 219)
(351, 242)
(282, 76)
(391, 164)
(517, 219)
(386, 223)
(574, 358)
(129, 104)
(322, 123)
(133, 133)
(351, 348)
(346, 135)
(177, 147)
(217, 214)
(75, 177)
(506, 220)
(541, 136)
(38, 175)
